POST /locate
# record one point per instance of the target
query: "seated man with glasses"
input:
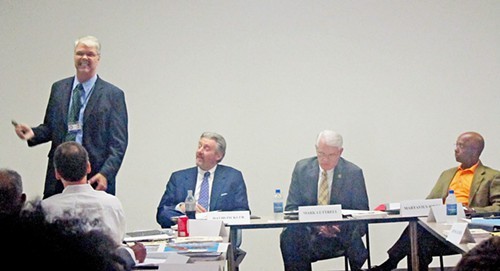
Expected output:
(325, 179)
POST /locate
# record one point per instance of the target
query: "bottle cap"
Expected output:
(278, 190)
(452, 191)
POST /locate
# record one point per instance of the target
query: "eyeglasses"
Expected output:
(327, 156)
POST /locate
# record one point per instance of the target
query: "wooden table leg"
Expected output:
(414, 245)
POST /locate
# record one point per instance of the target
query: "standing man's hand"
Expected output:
(23, 131)
(100, 180)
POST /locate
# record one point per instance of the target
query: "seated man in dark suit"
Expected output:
(226, 188)
(344, 184)
(476, 186)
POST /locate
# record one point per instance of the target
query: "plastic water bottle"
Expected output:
(278, 205)
(451, 207)
(190, 205)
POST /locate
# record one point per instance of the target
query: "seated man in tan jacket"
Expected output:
(476, 186)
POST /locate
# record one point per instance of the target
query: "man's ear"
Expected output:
(58, 176)
(89, 168)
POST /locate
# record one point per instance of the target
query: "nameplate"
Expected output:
(230, 217)
(199, 227)
(460, 234)
(418, 207)
(438, 213)
(320, 213)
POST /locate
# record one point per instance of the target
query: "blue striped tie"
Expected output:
(203, 199)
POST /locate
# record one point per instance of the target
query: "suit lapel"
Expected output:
(218, 183)
(336, 183)
(313, 176)
(66, 96)
(476, 181)
(95, 96)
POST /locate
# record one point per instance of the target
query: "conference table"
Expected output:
(268, 223)
(439, 230)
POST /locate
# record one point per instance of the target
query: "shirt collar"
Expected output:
(212, 170)
(87, 85)
(471, 169)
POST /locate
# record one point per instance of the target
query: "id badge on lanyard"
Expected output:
(74, 127)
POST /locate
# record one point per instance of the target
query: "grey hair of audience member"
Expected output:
(11, 190)
(70, 161)
(219, 140)
(331, 138)
(90, 41)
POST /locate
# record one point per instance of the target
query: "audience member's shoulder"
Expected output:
(42, 241)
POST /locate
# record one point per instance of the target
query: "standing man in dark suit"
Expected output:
(345, 185)
(86, 109)
(227, 189)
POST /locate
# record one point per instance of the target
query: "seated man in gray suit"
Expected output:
(226, 188)
(344, 184)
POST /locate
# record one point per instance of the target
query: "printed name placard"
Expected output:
(437, 214)
(320, 212)
(199, 227)
(460, 234)
(418, 207)
(230, 217)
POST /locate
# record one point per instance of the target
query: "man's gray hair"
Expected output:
(331, 138)
(221, 142)
(90, 41)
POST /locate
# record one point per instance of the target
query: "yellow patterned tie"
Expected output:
(324, 192)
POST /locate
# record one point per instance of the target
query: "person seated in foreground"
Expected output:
(79, 198)
(12, 197)
(485, 256)
(61, 245)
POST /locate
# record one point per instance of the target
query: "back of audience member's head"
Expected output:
(62, 245)
(485, 256)
(70, 161)
(12, 198)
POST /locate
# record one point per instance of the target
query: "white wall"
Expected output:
(399, 79)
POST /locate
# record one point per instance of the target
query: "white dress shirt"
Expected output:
(82, 200)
